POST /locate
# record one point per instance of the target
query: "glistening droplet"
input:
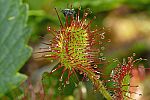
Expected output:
(67, 82)
(97, 76)
(134, 54)
(59, 88)
(103, 58)
(109, 40)
(101, 54)
(102, 35)
(49, 28)
(102, 48)
(60, 79)
(95, 91)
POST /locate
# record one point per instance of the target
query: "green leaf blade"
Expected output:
(13, 51)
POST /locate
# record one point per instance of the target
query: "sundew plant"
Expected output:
(86, 50)
(76, 46)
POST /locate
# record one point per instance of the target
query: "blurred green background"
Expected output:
(127, 20)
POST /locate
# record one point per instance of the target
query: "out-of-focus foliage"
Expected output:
(14, 33)
(57, 88)
(128, 16)
(128, 21)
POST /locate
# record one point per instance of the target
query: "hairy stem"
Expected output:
(98, 84)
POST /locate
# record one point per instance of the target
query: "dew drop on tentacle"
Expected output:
(140, 59)
(85, 14)
(100, 42)
(134, 54)
(97, 76)
(115, 59)
(124, 61)
(48, 28)
(102, 35)
(103, 58)
(95, 90)
(102, 48)
(67, 82)
(109, 40)
(80, 72)
(95, 66)
(101, 54)
(59, 88)
(98, 72)
(88, 10)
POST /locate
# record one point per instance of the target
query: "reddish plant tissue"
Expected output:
(121, 76)
(76, 47)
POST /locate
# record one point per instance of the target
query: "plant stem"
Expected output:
(98, 83)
